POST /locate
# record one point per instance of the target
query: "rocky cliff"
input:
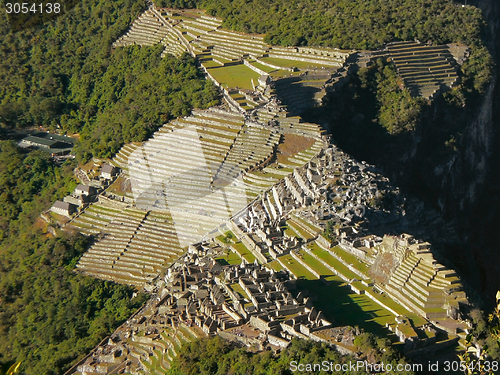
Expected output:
(466, 185)
(471, 188)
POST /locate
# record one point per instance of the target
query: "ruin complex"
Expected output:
(227, 215)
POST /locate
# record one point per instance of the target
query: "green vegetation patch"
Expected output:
(348, 308)
(217, 356)
(345, 24)
(307, 224)
(336, 264)
(315, 264)
(244, 252)
(350, 259)
(230, 258)
(284, 63)
(50, 316)
(68, 76)
(238, 289)
(292, 224)
(235, 76)
(296, 268)
(263, 67)
(275, 265)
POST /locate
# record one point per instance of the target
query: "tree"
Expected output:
(483, 343)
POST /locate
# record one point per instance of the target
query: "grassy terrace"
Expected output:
(235, 76)
(211, 64)
(369, 303)
(295, 226)
(314, 264)
(275, 265)
(337, 265)
(296, 268)
(238, 289)
(308, 225)
(263, 67)
(337, 300)
(350, 259)
(230, 258)
(290, 63)
(96, 207)
(244, 252)
(348, 308)
(288, 231)
(267, 175)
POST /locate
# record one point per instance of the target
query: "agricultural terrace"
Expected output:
(235, 76)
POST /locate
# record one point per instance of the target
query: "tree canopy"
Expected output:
(49, 315)
(216, 356)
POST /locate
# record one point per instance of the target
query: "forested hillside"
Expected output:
(347, 24)
(215, 356)
(65, 74)
(49, 315)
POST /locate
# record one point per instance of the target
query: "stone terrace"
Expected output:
(218, 50)
(182, 179)
(133, 246)
(420, 283)
(149, 29)
(425, 69)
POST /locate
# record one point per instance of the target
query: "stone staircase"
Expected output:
(424, 287)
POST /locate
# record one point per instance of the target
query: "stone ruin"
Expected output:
(245, 303)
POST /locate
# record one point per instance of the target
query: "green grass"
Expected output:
(308, 225)
(314, 264)
(314, 246)
(337, 265)
(294, 225)
(238, 289)
(350, 259)
(244, 252)
(235, 76)
(210, 64)
(296, 268)
(275, 265)
(96, 207)
(222, 121)
(263, 67)
(288, 231)
(348, 308)
(231, 258)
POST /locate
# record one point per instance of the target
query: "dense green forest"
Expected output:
(215, 356)
(49, 315)
(138, 93)
(66, 74)
(397, 110)
(346, 24)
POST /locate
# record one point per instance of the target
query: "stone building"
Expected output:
(63, 208)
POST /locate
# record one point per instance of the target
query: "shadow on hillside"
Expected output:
(343, 307)
(297, 95)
